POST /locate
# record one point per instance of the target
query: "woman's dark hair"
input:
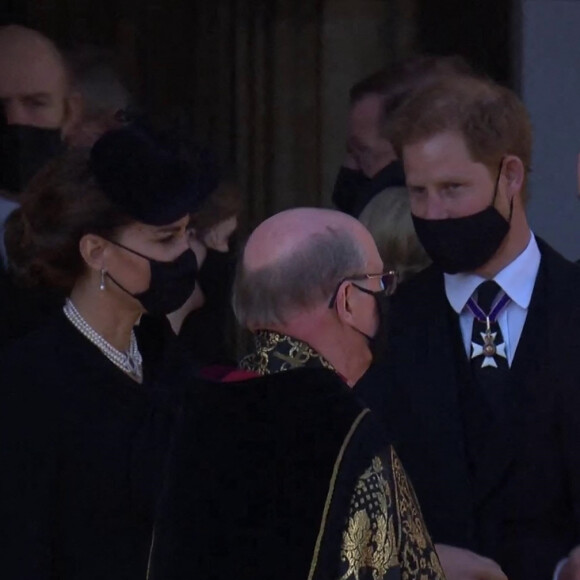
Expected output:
(61, 204)
(222, 203)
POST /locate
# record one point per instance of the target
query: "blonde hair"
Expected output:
(388, 218)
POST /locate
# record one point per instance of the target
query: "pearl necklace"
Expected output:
(129, 362)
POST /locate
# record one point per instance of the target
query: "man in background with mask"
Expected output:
(296, 479)
(37, 108)
(481, 388)
(371, 164)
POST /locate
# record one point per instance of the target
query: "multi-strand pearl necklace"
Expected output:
(129, 362)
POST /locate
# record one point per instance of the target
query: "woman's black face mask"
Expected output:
(171, 284)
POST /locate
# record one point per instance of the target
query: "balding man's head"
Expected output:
(293, 262)
(33, 79)
(37, 109)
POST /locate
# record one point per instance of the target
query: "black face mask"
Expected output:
(467, 243)
(348, 186)
(353, 189)
(378, 342)
(24, 150)
(392, 175)
(171, 284)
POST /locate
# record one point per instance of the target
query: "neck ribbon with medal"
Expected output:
(489, 350)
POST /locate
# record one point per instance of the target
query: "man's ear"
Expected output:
(93, 249)
(344, 302)
(515, 175)
(74, 106)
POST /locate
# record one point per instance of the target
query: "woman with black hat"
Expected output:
(82, 435)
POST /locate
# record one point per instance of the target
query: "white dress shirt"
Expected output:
(517, 280)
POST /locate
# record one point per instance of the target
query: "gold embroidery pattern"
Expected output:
(276, 352)
(419, 559)
(331, 489)
(385, 530)
(369, 541)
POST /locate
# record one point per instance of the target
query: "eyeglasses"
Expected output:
(389, 281)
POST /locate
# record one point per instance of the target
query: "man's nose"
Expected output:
(435, 208)
(184, 243)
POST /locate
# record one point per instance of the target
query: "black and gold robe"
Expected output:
(286, 475)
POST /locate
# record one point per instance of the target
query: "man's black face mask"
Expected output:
(353, 189)
(464, 244)
(24, 150)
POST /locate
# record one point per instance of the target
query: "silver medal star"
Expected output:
(480, 349)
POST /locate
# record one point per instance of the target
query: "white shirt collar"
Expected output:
(517, 280)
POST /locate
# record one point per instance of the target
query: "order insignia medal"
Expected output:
(488, 349)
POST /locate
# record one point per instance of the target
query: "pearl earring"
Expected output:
(102, 284)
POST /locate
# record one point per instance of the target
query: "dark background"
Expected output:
(254, 78)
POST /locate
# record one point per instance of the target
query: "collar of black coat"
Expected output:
(275, 352)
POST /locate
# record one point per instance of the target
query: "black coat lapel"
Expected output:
(437, 351)
(427, 422)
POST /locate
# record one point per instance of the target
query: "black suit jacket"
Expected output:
(523, 508)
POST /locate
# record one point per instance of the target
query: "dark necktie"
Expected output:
(483, 397)
(489, 362)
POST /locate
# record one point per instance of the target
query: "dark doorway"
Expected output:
(480, 31)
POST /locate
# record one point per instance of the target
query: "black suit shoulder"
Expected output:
(562, 276)
(418, 297)
(419, 285)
